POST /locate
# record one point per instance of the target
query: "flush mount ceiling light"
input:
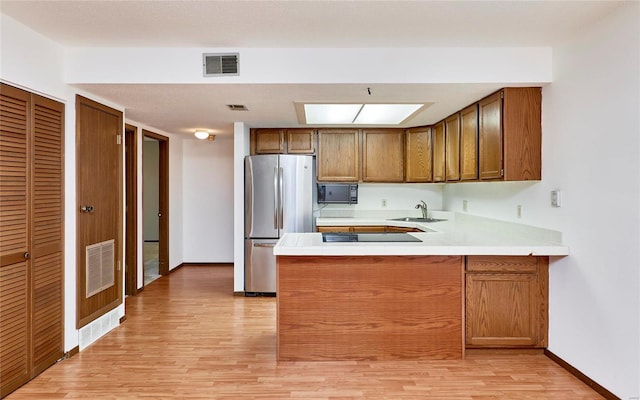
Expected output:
(201, 134)
(359, 114)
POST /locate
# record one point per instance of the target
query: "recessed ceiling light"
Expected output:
(359, 114)
(386, 114)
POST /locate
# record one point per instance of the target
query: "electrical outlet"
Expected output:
(519, 211)
(384, 203)
(465, 205)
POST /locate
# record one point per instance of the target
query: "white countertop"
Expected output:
(461, 234)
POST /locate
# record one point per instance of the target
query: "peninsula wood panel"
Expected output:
(418, 155)
(383, 155)
(373, 308)
(338, 155)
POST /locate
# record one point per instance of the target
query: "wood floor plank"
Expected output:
(188, 337)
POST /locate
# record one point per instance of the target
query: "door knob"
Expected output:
(86, 209)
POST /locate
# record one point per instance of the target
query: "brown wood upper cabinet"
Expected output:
(300, 141)
(267, 141)
(452, 151)
(510, 135)
(418, 155)
(469, 143)
(507, 301)
(439, 152)
(282, 141)
(338, 155)
(382, 155)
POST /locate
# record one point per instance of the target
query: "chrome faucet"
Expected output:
(423, 206)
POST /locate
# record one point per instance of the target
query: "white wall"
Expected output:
(591, 152)
(208, 200)
(398, 196)
(420, 65)
(150, 189)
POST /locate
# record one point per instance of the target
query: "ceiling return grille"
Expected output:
(220, 64)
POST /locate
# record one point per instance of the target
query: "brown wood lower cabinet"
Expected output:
(506, 302)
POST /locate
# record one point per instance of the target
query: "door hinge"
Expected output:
(119, 139)
(502, 172)
(118, 265)
(502, 95)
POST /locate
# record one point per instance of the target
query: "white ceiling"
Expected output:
(294, 24)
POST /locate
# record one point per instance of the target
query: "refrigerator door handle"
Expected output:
(264, 245)
(281, 216)
(275, 198)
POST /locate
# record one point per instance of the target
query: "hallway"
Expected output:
(188, 337)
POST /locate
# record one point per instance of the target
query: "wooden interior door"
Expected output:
(31, 235)
(15, 265)
(131, 210)
(163, 200)
(99, 201)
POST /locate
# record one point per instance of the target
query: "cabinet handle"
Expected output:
(26, 255)
(264, 244)
(86, 209)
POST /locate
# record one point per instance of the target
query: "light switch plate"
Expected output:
(555, 198)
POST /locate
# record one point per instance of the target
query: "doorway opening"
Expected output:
(155, 198)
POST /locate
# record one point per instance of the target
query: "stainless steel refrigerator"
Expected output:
(279, 198)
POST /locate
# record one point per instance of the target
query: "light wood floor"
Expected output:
(187, 337)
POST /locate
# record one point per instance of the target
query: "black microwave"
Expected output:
(338, 193)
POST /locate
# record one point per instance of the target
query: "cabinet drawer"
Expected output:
(502, 264)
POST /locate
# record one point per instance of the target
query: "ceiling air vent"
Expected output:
(237, 107)
(219, 64)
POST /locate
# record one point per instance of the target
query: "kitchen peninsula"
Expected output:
(469, 283)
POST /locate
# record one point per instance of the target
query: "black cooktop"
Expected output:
(331, 237)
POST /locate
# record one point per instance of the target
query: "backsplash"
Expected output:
(400, 196)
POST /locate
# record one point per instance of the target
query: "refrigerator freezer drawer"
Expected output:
(259, 266)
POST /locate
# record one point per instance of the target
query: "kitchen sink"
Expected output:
(416, 219)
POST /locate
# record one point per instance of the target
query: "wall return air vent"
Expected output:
(221, 64)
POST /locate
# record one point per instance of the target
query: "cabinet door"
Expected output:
(438, 152)
(452, 137)
(418, 154)
(490, 133)
(268, 141)
(383, 155)
(506, 301)
(501, 310)
(300, 141)
(469, 143)
(338, 155)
